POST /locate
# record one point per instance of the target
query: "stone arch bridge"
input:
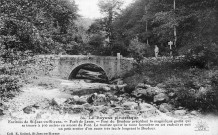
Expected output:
(67, 66)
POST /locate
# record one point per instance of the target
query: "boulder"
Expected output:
(29, 110)
(106, 88)
(75, 109)
(97, 100)
(143, 85)
(120, 98)
(87, 105)
(147, 110)
(161, 85)
(161, 98)
(92, 98)
(130, 105)
(172, 94)
(82, 100)
(147, 91)
(130, 112)
(165, 108)
(194, 113)
(76, 100)
(110, 112)
(145, 106)
(58, 101)
(180, 112)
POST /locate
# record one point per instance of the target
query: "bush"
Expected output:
(139, 50)
(9, 86)
(12, 71)
(201, 57)
(196, 88)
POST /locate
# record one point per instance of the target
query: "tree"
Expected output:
(36, 24)
(195, 22)
(111, 9)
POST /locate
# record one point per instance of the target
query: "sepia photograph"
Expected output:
(108, 67)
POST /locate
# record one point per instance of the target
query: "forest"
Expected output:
(52, 27)
(32, 27)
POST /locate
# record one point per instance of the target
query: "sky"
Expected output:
(89, 8)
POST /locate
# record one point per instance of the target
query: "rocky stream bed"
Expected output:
(80, 98)
(93, 99)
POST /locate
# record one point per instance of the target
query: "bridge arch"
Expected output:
(77, 67)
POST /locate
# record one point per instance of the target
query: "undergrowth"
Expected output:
(195, 84)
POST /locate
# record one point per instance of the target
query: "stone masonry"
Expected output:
(67, 66)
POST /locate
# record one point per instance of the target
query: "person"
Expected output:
(156, 51)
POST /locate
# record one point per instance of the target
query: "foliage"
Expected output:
(111, 9)
(139, 50)
(195, 88)
(13, 69)
(201, 57)
(9, 86)
(195, 22)
(39, 26)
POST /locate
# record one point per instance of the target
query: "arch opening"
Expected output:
(89, 71)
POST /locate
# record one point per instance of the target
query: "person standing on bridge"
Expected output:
(156, 51)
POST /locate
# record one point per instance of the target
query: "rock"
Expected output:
(82, 100)
(120, 98)
(29, 110)
(87, 105)
(124, 95)
(131, 112)
(100, 101)
(180, 112)
(58, 101)
(165, 108)
(118, 81)
(161, 85)
(172, 94)
(110, 112)
(70, 101)
(142, 85)
(118, 109)
(106, 88)
(75, 109)
(97, 100)
(161, 98)
(147, 110)
(180, 108)
(120, 87)
(96, 114)
(130, 105)
(145, 106)
(140, 92)
(76, 98)
(149, 92)
(92, 98)
(194, 113)
(113, 87)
